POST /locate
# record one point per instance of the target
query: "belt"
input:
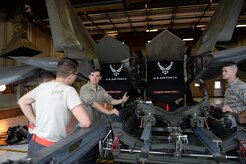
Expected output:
(30, 125)
(41, 141)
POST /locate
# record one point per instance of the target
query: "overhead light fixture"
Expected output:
(152, 30)
(148, 41)
(201, 25)
(112, 32)
(188, 39)
(241, 25)
(2, 88)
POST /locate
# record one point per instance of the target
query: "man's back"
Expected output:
(53, 100)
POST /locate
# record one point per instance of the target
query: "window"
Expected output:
(217, 85)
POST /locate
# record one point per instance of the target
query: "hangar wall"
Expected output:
(43, 41)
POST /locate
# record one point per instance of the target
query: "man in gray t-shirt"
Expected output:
(55, 101)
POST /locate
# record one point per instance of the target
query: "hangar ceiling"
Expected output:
(128, 20)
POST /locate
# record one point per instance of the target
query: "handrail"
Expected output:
(72, 147)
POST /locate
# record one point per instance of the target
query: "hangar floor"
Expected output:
(14, 117)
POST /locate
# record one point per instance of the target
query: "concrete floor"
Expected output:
(16, 152)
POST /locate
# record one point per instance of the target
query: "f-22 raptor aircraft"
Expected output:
(146, 132)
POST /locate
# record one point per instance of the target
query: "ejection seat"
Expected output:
(110, 53)
(165, 82)
(165, 70)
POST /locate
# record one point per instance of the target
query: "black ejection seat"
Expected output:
(114, 79)
(110, 53)
(165, 69)
(165, 81)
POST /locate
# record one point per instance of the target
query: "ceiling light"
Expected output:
(241, 25)
(152, 30)
(112, 35)
(201, 25)
(111, 32)
(188, 39)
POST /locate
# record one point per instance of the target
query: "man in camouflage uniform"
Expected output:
(93, 97)
(235, 94)
(234, 99)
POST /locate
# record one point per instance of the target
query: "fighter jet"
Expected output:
(149, 133)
